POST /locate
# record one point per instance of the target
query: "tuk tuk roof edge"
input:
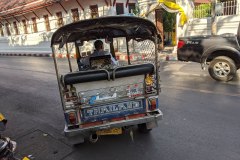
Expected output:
(111, 26)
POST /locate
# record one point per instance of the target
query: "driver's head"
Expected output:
(98, 45)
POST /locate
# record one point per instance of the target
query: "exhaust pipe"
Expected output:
(93, 138)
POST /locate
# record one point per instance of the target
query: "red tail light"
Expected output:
(153, 104)
(180, 44)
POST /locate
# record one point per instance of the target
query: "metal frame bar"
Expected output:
(78, 56)
(112, 48)
(68, 57)
(58, 77)
(128, 54)
(157, 63)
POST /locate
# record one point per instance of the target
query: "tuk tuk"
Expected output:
(99, 97)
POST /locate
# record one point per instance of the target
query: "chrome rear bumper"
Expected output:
(150, 118)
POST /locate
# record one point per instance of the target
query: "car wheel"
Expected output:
(142, 128)
(222, 69)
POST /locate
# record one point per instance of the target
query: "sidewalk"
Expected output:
(169, 53)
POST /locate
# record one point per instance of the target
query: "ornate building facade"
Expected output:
(27, 25)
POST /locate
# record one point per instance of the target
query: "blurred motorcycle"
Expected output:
(7, 146)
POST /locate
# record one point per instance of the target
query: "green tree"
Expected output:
(169, 21)
(203, 10)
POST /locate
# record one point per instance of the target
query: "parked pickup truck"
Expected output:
(220, 52)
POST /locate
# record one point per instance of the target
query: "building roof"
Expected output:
(10, 8)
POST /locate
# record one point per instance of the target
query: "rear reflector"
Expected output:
(152, 103)
(72, 118)
(180, 44)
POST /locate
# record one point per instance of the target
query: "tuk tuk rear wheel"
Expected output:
(142, 128)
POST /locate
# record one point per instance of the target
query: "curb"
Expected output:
(36, 55)
(171, 58)
(168, 57)
(119, 57)
(27, 54)
(124, 57)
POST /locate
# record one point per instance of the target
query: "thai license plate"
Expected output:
(96, 113)
(112, 131)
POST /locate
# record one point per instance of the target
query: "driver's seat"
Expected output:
(100, 62)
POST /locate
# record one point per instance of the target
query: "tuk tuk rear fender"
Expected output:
(150, 117)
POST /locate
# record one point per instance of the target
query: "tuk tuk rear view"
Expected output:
(112, 83)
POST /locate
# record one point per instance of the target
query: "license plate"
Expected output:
(112, 131)
(96, 113)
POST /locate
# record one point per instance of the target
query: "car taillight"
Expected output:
(181, 43)
(149, 81)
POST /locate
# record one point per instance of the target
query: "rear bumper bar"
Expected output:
(150, 118)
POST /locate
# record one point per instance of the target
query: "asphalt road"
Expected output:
(201, 116)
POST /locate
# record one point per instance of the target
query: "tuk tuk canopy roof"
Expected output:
(105, 27)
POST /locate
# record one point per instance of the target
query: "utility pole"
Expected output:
(213, 18)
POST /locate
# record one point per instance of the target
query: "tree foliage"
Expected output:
(168, 21)
(203, 10)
